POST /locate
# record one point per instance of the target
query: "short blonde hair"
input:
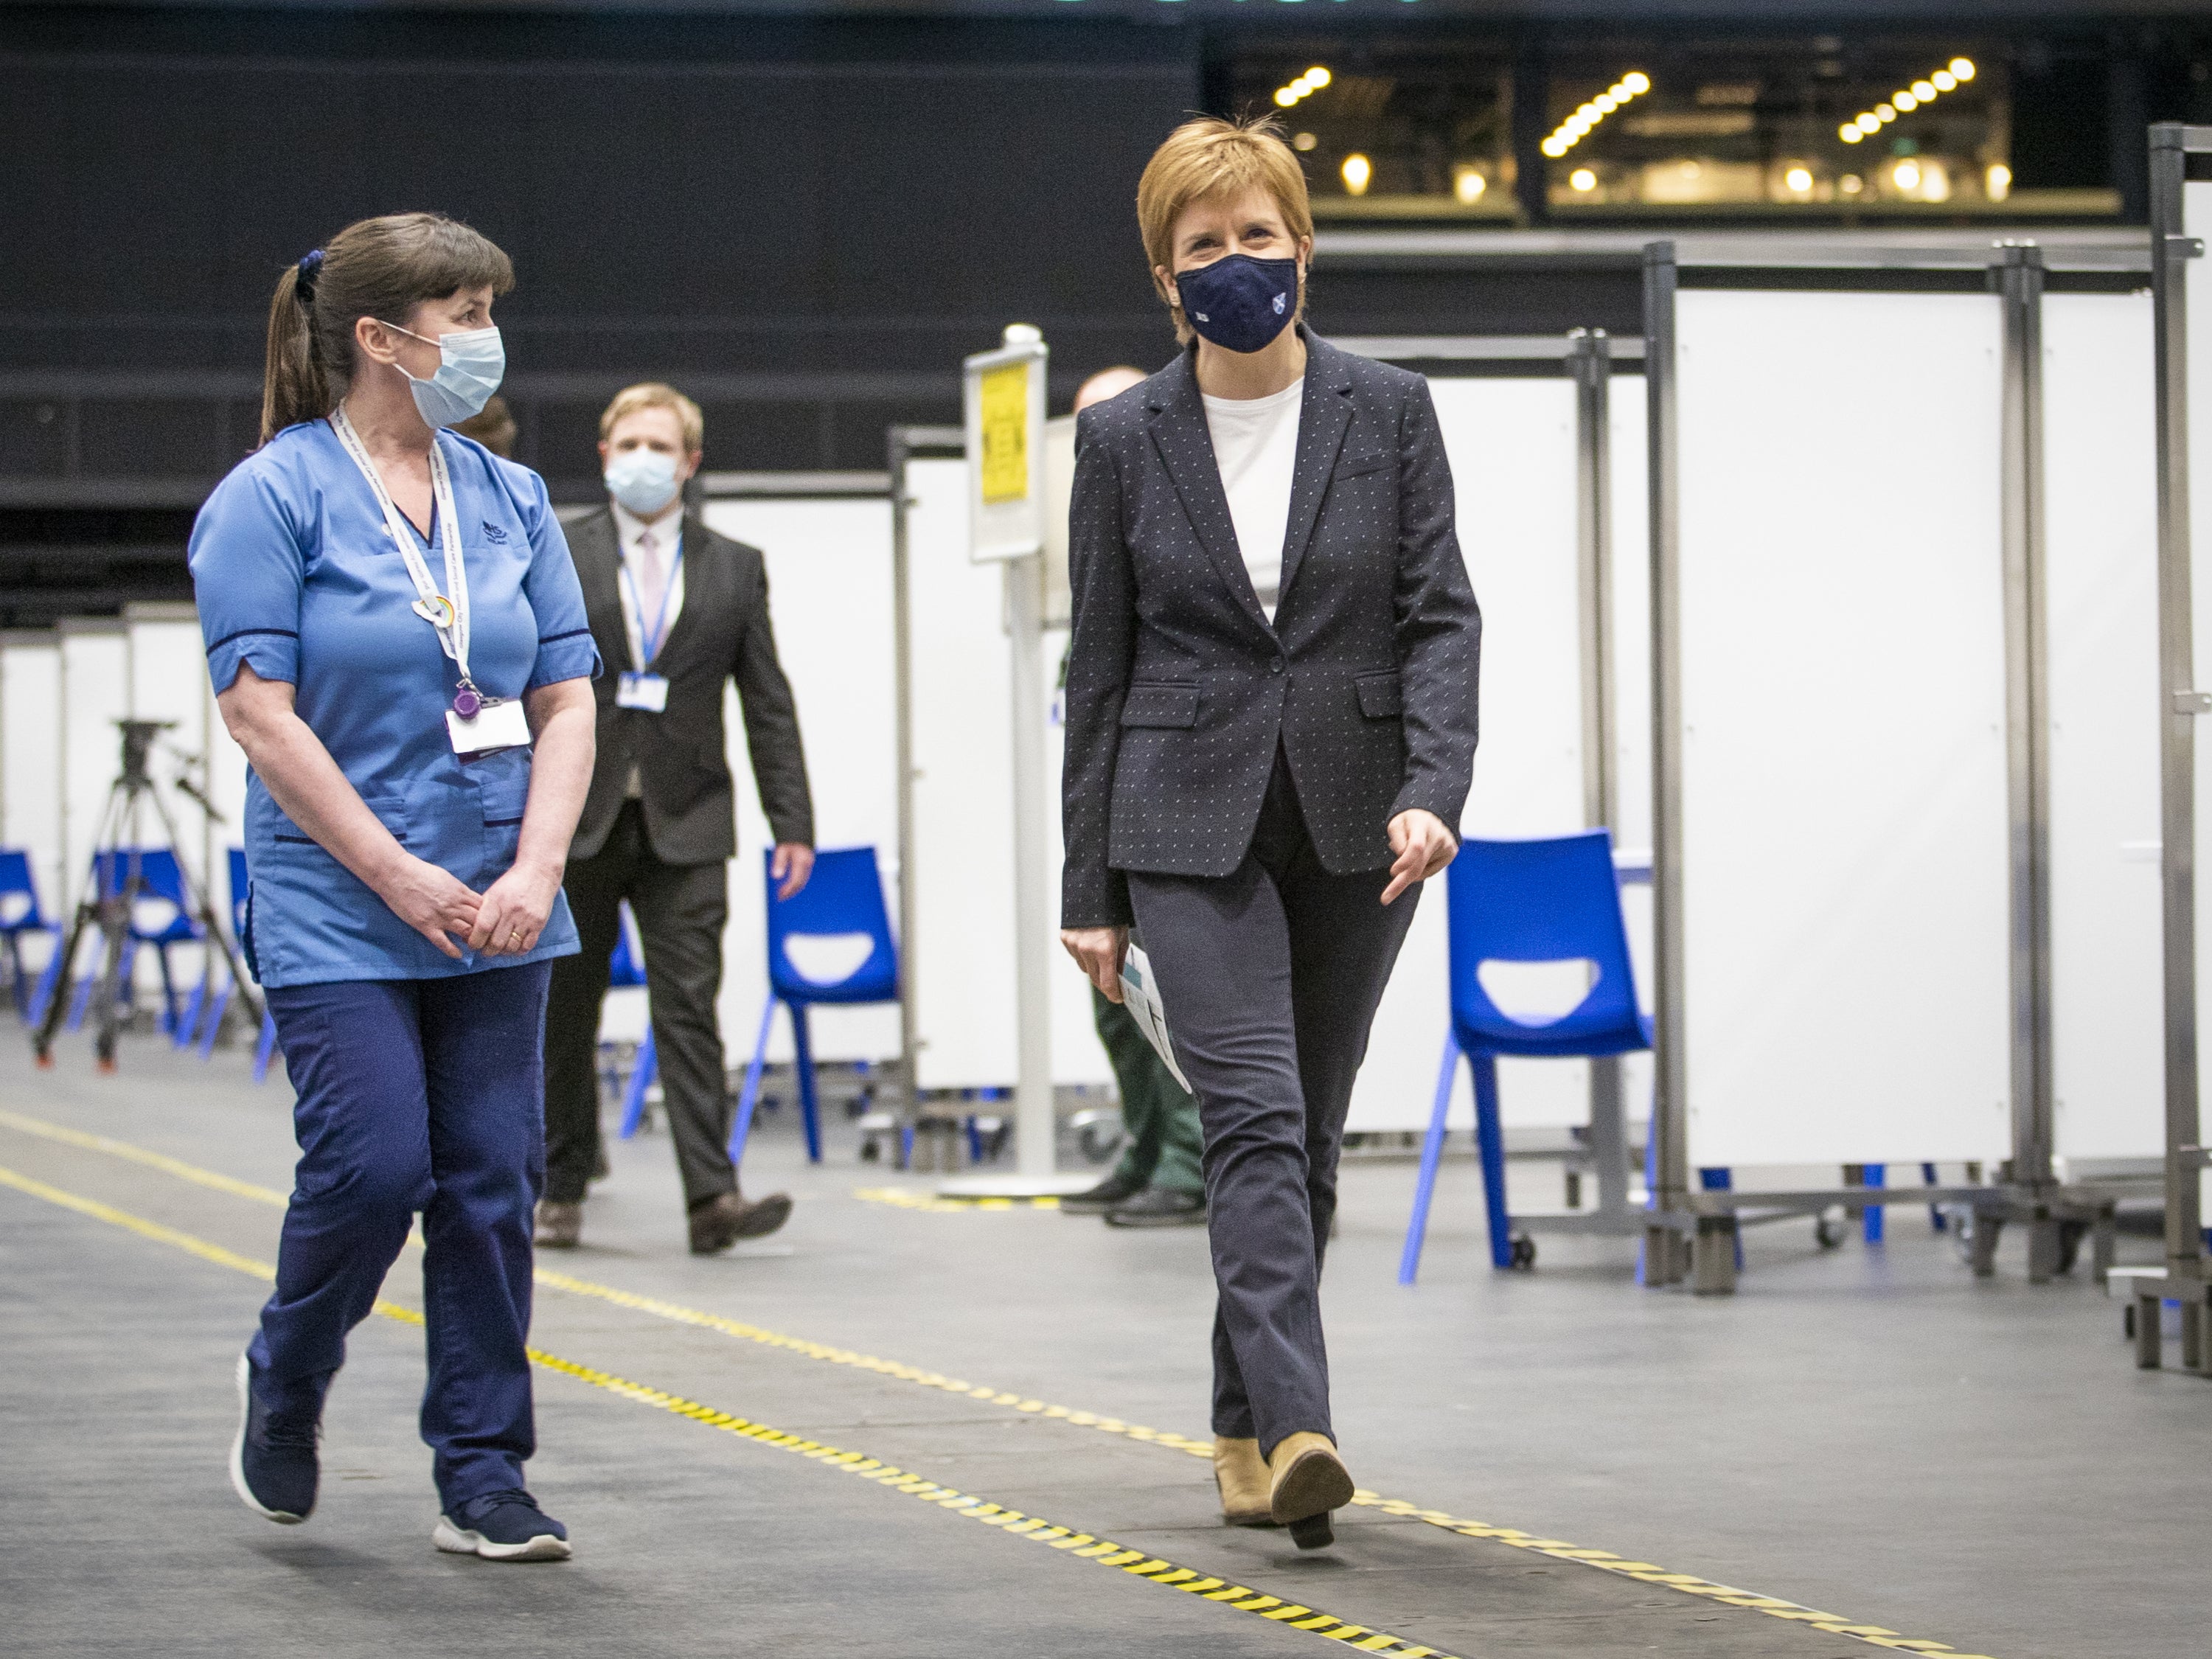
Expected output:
(1210, 157)
(651, 394)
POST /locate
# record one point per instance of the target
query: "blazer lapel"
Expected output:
(1186, 449)
(1324, 416)
(699, 593)
(598, 556)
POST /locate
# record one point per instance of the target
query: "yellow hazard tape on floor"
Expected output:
(1557, 1549)
(905, 1198)
(1012, 1523)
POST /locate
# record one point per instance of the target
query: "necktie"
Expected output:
(652, 588)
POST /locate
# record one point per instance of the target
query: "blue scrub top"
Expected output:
(297, 573)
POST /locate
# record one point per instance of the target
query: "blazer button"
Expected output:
(1275, 666)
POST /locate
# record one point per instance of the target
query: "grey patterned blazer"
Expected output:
(1179, 692)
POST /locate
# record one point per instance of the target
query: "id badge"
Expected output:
(646, 691)
(499, 725)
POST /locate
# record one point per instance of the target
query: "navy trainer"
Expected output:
(273, 1463)
(502, 1526)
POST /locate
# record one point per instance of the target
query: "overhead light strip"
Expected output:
(1584, 121)
(1949, 78)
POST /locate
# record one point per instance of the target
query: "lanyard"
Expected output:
(649, 644)
(449, 616)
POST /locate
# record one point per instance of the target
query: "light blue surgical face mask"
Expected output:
(471, 366)
(642, 480)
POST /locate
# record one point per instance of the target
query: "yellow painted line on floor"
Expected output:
(905, 1198)
(984, 1393)
(1011, 1522)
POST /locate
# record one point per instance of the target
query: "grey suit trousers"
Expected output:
(1270, 976)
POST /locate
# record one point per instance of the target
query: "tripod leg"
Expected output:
(42, 1045)
(201, 910)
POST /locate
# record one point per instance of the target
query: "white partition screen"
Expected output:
(1845, 850)
(829, 594)
(31, 761)
(2196, 220)
(2101, 584)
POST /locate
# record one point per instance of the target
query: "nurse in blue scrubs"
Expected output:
(397, 640)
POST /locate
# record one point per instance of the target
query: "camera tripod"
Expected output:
(117, 883)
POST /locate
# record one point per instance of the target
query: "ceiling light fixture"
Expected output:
(1304, 86)
(1585, 120)
(1906, 100)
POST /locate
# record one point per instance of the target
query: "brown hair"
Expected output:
(651, 394)
(381, 268)
(1210, 157)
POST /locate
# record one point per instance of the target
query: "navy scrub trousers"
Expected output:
(1271, 975)
(417, 1094)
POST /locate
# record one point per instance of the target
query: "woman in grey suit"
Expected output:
(1271, 719)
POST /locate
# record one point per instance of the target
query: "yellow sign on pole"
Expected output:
(1005, 397)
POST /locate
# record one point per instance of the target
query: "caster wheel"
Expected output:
(1832, 1227)
(1524, 1253)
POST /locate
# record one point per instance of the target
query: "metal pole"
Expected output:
(2180, 705)
(1036, 1133)
(1590, 355)
(1670, 1111)
(2027, 715)
(901, 682)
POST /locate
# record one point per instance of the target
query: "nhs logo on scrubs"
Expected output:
(494, 533)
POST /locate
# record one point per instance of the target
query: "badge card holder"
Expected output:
(646, 691)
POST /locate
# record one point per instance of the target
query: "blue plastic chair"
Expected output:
(626, 970)
(844, 898)
(159, 881)
(20, 914)
(1525, 901)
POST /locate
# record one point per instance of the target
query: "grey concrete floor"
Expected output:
(1868, 1433)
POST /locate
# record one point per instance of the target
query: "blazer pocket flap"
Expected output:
(1372, 460)
(1381, 696)
(1160, 705)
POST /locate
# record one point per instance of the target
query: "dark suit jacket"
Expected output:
(1179, 692)
(721, 634)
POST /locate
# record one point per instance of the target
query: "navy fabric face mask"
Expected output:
(1238, 302)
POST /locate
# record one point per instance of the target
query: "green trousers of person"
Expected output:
(1165, 1145)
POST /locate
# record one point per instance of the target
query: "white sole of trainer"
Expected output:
(456, 1541)
(281, 1517)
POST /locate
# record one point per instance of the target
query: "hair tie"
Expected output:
(309, 267)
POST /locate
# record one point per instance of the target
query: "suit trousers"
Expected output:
(416, 1094)
(1270, 977)
(681, 909)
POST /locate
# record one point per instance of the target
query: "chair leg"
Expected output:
(265, 1047)
(168, 992)
(1433, 1146)
(1934, 1211)
(741, 1129)
(803, 1049)
(640, 1078)
(1874, 1175)
(1490, 1134)
(49, 984)
(212, 1023)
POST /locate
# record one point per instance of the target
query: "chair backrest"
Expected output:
(626, 966)
(842, 930)
(1551, 900)
(159, 914)
(18, 894)
(238, 889)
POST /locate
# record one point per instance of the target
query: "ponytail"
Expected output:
(293, 387)
(380, 268)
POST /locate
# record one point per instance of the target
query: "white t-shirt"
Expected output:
(1255, 446)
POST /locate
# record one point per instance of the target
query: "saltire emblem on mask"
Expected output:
(1280, 300)
(1201, 316)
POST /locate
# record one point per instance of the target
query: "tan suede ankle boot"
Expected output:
(1306, 1480)
(1242, 1480)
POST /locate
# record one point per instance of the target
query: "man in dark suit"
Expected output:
(677, 611)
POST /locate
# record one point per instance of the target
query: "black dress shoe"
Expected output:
(1102, 1198)
(1159, 1207)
